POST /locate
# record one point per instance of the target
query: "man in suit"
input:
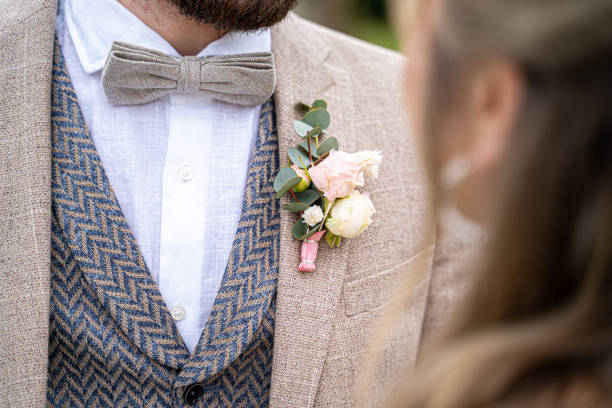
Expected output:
(178, 285)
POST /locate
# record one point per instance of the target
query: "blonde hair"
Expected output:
(536, 330)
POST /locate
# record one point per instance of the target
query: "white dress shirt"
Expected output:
(178, 165)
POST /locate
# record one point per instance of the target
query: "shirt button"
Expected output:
(193, 393)
(185, 173)
(178, 313)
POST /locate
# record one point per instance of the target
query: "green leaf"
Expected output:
(296, 154)
(338, 241)
(313, 231)
(313, 147)
(295, 207)
(285, 179)
(327, 146)
(314, 132)
(302, 105)
(308, 197)
(302, 128)
(284, 189)
(320, 103)
(317, 117)
(299, 230)
(332, 239)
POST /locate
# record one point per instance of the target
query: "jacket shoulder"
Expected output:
(374, 72)
(349, 50)
(372, 77)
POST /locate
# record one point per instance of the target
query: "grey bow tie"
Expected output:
(134, 75)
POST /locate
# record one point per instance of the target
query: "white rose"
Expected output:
(313, 215)
(369, 161)
(350, 216)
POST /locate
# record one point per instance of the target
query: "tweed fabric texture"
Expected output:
(112, 341)
(323, 320)
(25, 207)
(134, 75)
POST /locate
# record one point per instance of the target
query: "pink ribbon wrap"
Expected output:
(310, 247)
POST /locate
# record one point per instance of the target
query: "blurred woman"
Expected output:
(513, 103)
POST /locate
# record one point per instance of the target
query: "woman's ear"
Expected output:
(492, 97)
(493, 100)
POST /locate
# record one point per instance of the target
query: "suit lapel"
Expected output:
(306, 302)
(26, 44)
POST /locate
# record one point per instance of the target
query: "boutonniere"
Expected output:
(322, 183)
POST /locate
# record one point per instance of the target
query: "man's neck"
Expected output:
(184, 34)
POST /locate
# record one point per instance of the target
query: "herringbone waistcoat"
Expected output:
(112, 341)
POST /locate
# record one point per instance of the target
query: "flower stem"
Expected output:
(294, 196)
(309, 153)
(305, 169)
(331, 204)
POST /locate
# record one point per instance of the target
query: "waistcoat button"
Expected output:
(193, 393)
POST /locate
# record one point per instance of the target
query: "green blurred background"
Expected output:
(365, 19)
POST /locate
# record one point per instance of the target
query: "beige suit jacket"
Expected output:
(323, 319)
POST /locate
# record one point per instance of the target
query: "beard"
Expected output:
(236, 15)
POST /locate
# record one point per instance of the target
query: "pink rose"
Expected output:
(337, 175)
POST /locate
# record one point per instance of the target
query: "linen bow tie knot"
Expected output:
(189, 75)
(135, 75)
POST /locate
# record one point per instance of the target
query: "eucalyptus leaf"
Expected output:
(317, 117)
(295, 155)
(327, 146)
(308, 197)
(320, 103)
(304, 106)
(316, 131)
(295, 207)
(299, 230)
(286, 187)
(313, 148)
(302, 128)
(283, 177)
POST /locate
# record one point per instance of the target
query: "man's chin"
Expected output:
(236, 15)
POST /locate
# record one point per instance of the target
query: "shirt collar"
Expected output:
(94, 25)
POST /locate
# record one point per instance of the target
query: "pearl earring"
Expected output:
(451, 176)
(455, 172)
